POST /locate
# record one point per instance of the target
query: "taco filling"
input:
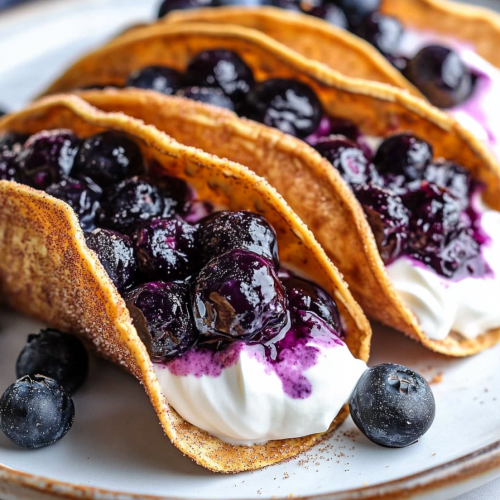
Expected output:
(242, 347)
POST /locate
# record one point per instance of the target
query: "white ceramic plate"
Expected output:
(117, 445)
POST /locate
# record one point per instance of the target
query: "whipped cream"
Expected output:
(469, 306)
(479, 112)
(239, 396)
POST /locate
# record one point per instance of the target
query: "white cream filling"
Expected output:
(470, 306)
(246, 403)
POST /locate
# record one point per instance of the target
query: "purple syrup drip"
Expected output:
(289, 357)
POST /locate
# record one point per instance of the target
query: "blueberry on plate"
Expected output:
(116, 253)
(166, 249)
(160, 78)
(170, 5)
(224, 231)
(238, 295)
(392, 405)
(82, 195)
(325, 10)
(108, 158)
(288, 105)
(56, 355)
(36, 412)
(207, 95)
(357, 10)
(383, 32)
(223, 69)
(440, 74)
(48, 157)
(162, 316)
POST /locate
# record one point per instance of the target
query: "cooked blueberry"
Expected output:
(306, 296)
(36, 412)
(223, 69)
(82, 195)
(357, 10)
(48, 157)
(238, 295)
(207, 95)
(383, 32)
(170, 5)
(166, 249)
(340, 126)
(178, 196)
(108, 158)
(434, 214)
(392, 405)
(348, 159)
(451, 176)
(56, 355)
(131, 203)
(116, 254)
(403, 154)
(9, 168)
(287, 105)
(326, 11)
(388, 218)
(12, 141)
(223, 231)
(160, 78)
(440, 74)
(162, 316)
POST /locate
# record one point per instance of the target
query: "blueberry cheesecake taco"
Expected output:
(190, 272)
(403, 213)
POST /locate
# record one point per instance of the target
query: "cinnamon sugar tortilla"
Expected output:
(47, 271)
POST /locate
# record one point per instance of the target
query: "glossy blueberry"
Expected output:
(403, 154)
(383, 32)
(451, 176)
(348, 159)
(224, 231)
(440, 74)
(48, 157)
(160, 78)
(357, 10)
(36, 412)
(108, 157)
(170, 5)
(178, 196)
(82, 195)
(132, 202)
(12, 141)
(340, 126)
(306, 296)
(166, 249)
(162, 316)
(223, 69)
(288, 105)
(325, 10)
(56, 355)
(116, 254)
(238, 295)
(392, 405)
(207, 95)
(388, 218)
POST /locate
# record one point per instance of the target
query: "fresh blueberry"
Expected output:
(160, 78)
(388, 218)
(56, 355)
(132, 202)
(383, 32)
(48, 157)
(170, 5)
(325, 10)
(451, 176)
(82, 195)
(108, 158)
(223, 69)
(36, 412)
(403, 154)
(440, 74)
(207, 95)
(348, 159)
(224, 231)
(288, 105)
(116, 254)
(357, 10)
(238, 295)
(166, 249)
(306, 296)
(392, 405)
(162, 316)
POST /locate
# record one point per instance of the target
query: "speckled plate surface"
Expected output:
(116, 449)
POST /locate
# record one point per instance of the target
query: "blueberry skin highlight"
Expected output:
(36, 412)
(57, 355)
(392, 405)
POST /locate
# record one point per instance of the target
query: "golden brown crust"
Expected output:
(47, 271)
